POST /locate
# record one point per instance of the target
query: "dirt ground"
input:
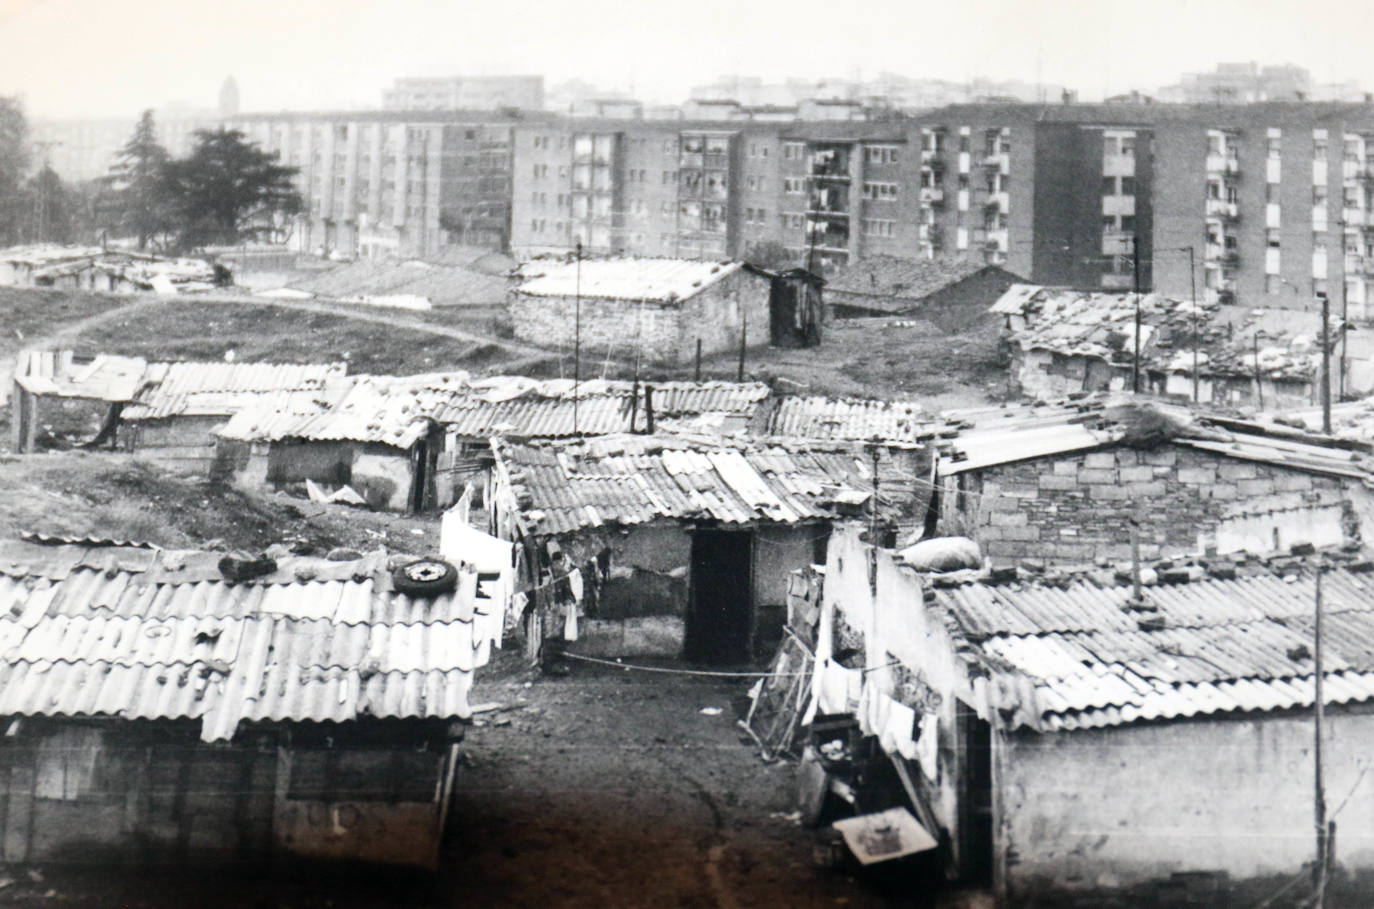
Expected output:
(601, 788)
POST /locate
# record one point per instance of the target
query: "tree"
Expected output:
(52, 209)
(230, 190)
(14, 164)
(138, 203)
(771, 255)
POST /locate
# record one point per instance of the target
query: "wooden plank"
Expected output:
(19, 814)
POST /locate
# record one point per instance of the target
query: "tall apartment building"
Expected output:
(1271, 200)
(85, 149)
(465, 93)
(394, 182)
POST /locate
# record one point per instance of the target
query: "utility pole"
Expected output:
(1326, 363)
(1319, 794)
(1135, 267)
(1192, 283)
(577, 334)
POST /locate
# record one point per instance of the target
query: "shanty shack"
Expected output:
(161, 411)
(1072, 483)
(952, 292)
(658, 308)
(680, 545)
(157, 711)
(1066, 341)
(101, 270)
(457, 416)
(1067, 743)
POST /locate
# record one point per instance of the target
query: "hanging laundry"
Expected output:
(575, 582)
(570, 621)
(928, 747)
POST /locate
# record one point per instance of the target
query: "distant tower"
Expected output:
(229, 98)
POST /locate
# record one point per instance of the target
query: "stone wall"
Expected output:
(664, 332)
(1077, 508)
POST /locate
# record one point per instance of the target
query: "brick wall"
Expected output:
(1077, 508)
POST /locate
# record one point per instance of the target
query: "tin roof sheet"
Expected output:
(856, 419)
(1212, 645)
(657, 280)
(91, 630)
(627, 480)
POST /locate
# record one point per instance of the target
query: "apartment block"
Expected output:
(465, 93)
(1263, 204)
(401, 183)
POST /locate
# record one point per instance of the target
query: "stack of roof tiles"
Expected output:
(1082, 656)
(139, 633)
(628, 480)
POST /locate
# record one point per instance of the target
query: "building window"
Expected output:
(793, 185)
(1318, 195)
(1109, 186)
(881, 154)
(876, 227)
(885, 192)
(1128, 223)
(1319, 144)
(1318, 287)
(1271, 237)
(1128, 146)
(1127, 186)
(793, 151)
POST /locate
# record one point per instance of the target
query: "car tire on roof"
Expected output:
(244, 566)
(425, 577)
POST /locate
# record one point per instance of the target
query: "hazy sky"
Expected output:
(115, 57)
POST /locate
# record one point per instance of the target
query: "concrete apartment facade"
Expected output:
(393, 182)
(1273, 199)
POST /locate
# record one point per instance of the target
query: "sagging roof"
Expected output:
(159, 390)
(650, 279)
(113, 631)
(626, 480)
(221, 389)
(399, 410)
(854, 419)
(1230, 340)
(1081, 656)
(894, 284)
(1023, 434)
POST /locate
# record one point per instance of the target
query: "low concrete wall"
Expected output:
(1108, 808)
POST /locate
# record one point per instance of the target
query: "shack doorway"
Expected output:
(721, 610)
(975, 797)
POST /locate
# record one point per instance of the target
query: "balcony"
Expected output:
(997, 202)
(932, 195)
(1220, 208)
(717, 160)
(1223, 164)
(1230, 259)
(1117, 242)
(1355, 217)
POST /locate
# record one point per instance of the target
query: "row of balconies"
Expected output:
(1223, 164)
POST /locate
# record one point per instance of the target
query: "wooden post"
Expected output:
(649, 409)
(696, 375)
(743, 339)
(1319, 790)
(1326, 364)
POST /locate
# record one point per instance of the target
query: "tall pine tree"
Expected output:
(139, 204)
(229, 190)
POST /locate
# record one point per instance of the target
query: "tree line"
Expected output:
(226, 191)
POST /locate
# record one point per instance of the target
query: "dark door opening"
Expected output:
(720, 614)
(975, 797)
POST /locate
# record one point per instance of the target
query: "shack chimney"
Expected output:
(634, 403)
(1136, 597)
(649, 409)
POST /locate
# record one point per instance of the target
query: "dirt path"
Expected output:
(613, 789)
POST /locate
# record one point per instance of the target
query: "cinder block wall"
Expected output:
(1077, 508)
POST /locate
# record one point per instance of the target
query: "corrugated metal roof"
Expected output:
(59, 373)
(397, 410)
(659, 280)
(138, 633)
(626, 480)
(222, 389)
(1242, 644)
(854, 419)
